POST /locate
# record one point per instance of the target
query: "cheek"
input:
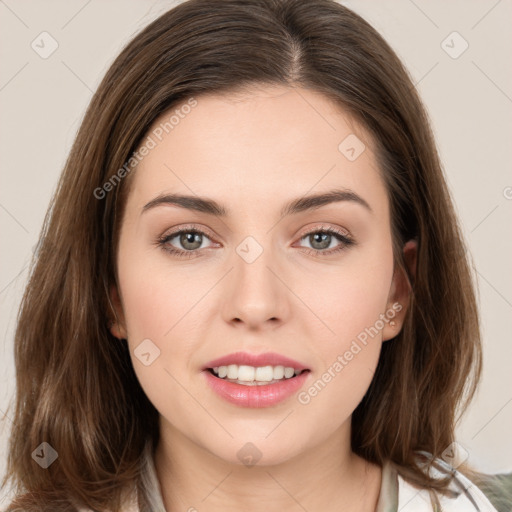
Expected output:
(156, 302)
(156, 296)
(352, 302)
(156, 307)
(350, 298)
(335, 391)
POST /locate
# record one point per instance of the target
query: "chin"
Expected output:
(254, 451)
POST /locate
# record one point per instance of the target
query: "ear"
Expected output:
(399, 293)
(117, 324)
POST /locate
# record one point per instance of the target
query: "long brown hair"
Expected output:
(76, 387)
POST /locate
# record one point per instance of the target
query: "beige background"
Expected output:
(469, 99)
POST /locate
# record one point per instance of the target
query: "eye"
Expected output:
(323, 238)
(190, 240)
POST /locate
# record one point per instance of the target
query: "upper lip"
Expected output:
(256, 360)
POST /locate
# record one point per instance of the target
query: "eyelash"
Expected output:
(346, 241)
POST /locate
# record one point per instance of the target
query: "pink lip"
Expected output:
(256, 360)
(255, 396)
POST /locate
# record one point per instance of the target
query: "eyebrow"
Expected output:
(211, 207)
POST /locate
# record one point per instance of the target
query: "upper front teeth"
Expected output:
(250, 373)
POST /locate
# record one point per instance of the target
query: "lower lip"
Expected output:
(255, 396)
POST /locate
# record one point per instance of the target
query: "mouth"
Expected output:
(255, 387)
(255, 376)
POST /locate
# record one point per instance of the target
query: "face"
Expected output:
(313, 282)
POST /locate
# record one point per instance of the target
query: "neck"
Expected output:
(327, 477)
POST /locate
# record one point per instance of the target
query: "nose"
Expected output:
(256, 296)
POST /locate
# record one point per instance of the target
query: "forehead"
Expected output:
(259, 144)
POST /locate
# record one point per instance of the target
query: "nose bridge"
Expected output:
(257, 295)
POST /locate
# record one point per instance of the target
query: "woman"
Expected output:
(251, 289)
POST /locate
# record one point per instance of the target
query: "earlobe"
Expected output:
(399, 296)
(116, 330)
(116, 325)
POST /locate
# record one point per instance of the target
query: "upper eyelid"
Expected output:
(186, 229)
(326, 228)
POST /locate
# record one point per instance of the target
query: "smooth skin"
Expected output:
(254, 152)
